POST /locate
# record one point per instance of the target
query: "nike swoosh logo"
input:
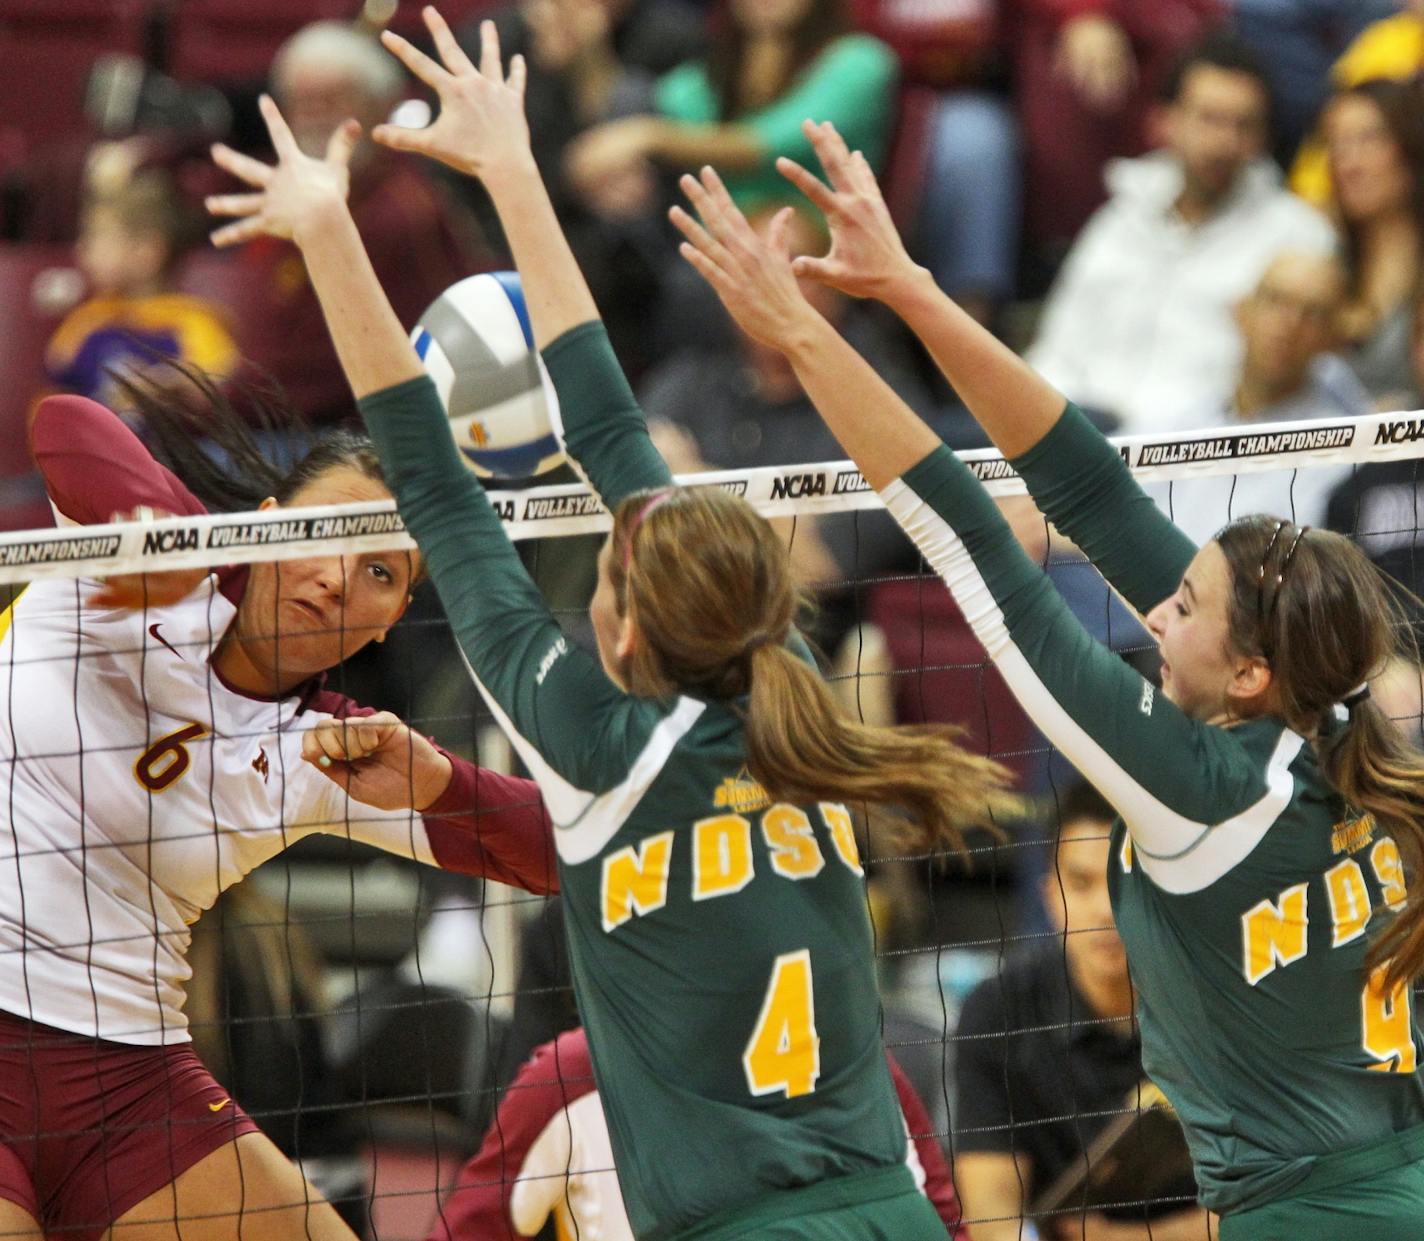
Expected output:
(217, 1107)
(158, 637)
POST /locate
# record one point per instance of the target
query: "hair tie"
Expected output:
(642, 515)
(1356, 696)
(758, 640)
(1344, 710)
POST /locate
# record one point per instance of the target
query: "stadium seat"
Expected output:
(407, 19)
(25, 273)
(47, 48)
(942, 673)
(904, 175)
(225, 278)
(224, 41)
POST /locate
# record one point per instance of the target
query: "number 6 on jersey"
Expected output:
(784, 1052)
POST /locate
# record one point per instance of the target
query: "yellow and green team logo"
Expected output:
(740, 793)
(1352, 835)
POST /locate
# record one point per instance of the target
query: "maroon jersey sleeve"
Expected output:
(939, 1185)
(94, 466)
(493, 825)
(484, 823)
(552, 1078)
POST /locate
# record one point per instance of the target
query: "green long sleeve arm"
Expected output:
(577, 731)
(605, 430)
(1192, 795)
(1085, 489)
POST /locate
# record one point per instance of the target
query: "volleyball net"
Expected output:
(370, 1013)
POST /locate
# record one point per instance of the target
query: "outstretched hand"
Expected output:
(867, 256)
(751, 274)
(481, 126)
(289, 196)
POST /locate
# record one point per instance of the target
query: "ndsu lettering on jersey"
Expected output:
(1275, 934)
(635, 878)
(1273, 931)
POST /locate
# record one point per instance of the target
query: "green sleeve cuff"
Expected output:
(1072, 435)
(389, 402)
(586, 374)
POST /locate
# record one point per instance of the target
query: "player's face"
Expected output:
(610, 628)
(118, 260)
(1199, 669)
(1368, 170)
(1216, 127)
(1290, 319)
(1076, 897)
(301, 617)
(315, 99)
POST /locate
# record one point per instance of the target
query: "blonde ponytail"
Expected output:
(802, 746)
(708, 585)
(1375, 769)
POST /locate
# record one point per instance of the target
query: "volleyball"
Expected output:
(476, 344)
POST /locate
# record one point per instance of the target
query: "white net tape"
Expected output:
(777, 491)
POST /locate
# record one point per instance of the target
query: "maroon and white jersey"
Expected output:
(547, 1153)
(138, 786)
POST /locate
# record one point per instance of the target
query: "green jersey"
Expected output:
(1245, 891)
(720, 944)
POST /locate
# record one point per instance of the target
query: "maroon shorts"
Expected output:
(91, 1128)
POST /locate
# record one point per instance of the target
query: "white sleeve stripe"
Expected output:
(912, 1157)
(541, 1181)
(584, 822)
(1180, 854)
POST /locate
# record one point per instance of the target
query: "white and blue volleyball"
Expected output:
(476, 344)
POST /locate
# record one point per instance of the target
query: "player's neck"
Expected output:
(239, 671)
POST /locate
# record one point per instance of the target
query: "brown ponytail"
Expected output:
(1374, 767)
(1327, 621)
(708, 585)
(801, 744)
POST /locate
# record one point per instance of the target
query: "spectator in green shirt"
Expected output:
(773, 64)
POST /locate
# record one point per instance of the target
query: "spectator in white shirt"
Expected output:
(1288, 324)
(1139, 326)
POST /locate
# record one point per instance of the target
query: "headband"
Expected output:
(642, 515)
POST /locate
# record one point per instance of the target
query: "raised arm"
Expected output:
(1076, 477)
(368, 770)
(96, 470)
(1106, 719)
(94, 466)
(481, 131)
(552, 695)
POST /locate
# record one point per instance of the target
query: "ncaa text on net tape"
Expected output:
(776, 491)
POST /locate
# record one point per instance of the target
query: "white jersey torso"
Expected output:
(139, 787)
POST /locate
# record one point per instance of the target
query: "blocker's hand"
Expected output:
(481, 128)
(289, 196)
(751, 274)
(380, 760)
(867, 255)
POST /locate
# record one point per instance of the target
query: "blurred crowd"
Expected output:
(1186, 213)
